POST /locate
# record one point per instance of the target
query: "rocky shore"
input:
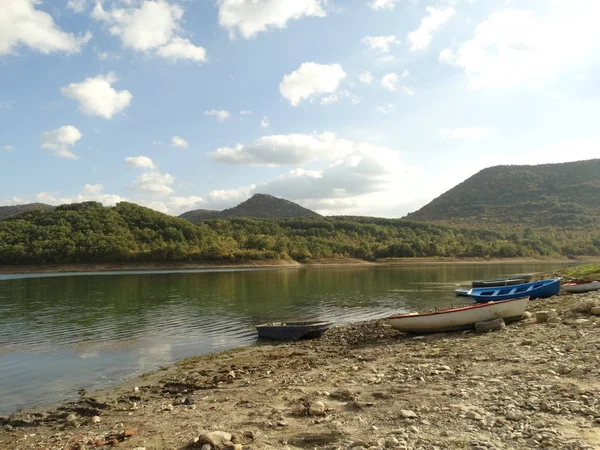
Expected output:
(534, 384)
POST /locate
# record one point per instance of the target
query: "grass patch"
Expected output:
(585, 272)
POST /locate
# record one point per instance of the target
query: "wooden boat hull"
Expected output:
(459, 318)
(462, 292)
(537, 289)
(292, 331)
(501, 282)
(577, 288)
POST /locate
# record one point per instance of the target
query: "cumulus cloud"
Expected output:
(389, 81)
(383, 4)
(515, 46)
(177, 141)
(154, 25)
(277, 150)
(380, 43)
(249, 17)
(90, 192)
(245, 112)
(77, 6)
(96, 96)
(182, 204)
(21, 24)
(154, 183)
(366, 77)
(466, 134)
(220, 114)
(8, 148)
(140, 161)
(436, 17)
(334, 98)
(60, 141)
(385, 109)
(265, 123)
(311, 80)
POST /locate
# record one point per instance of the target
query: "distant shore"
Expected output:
(216, 265)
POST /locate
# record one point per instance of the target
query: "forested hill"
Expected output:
(258, 206)
(563, 195)
(7, 211)
(89, 232)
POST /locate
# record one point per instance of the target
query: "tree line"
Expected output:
(90, 233)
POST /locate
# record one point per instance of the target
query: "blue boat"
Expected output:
(291, 331)
(537, 289)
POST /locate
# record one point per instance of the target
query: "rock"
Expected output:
(206, 447)
(595, 310)
(474, 415)
(96, 419)
(527, 342)
(542, 316)
(490, 325)
(582, 322)
(515, 415)
(554, 320)
(569, 347)
(71, 418)
(391, 442)
(578, 373)
(359, 444)
(136, 389)
(585, 306)
(527, 315)
(408, 414)
(316, 409)
(216, 439)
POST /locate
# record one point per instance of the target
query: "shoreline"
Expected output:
(530, 385)
(217, 265)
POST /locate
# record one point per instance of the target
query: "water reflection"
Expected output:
(61, 333)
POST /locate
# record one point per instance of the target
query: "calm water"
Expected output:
(63, 332)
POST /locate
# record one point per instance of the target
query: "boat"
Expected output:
(537, 289)
(502, 281)
(460, 318)
(577, 287)
(291, 331)
(462, 291)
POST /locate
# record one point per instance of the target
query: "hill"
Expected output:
(90, 233)
(563, 195)
(7, 211)
(260, 206)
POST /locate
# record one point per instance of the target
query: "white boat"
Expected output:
(459, 318)
(581, 286)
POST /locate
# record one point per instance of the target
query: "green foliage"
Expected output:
(558, 195)
(88, 232)
(585, 272)
(7, 211)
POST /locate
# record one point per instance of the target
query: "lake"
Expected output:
(63, 332)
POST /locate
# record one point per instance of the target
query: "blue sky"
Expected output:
(370, 107)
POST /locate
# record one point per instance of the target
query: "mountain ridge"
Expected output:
(13, 210)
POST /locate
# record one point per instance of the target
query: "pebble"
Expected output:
(316, 409)
(96, 419)
(576, 373)
(515, 415)
(595, 310)
(408, 414)
(71, 418)
(582, 322)
(542, 316)
(474, 415)
(490, 325)
(136, 389)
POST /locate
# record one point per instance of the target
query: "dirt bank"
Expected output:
(531, 385)
(107, 267)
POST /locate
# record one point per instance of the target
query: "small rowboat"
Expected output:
(537, 289)
(459, 318)
(501, 282)
(581, 286)
(462, 291)
(291, 331)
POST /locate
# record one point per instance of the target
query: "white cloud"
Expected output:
(154, 183)
(334, 98)
(22, 24)
(389, 81)
(249, 17)
(435, 18)
(386, 109)
(245, 112)
(220, 114)
(154, 25)
(276, 150)
(516, 46)
(311, 80)
(8, 148)
(407, 90)
(90, 192)
(77, 6)
(177, 141)
(140, 161)
(466, 134)
(180, 48)
(60, 140)
(97, 97)
(383, 4)
(265, 122)
(385, 59)
(366, 77)
(5, 105)
(380, 43)
(178, 205)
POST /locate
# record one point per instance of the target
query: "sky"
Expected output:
(361, 107)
